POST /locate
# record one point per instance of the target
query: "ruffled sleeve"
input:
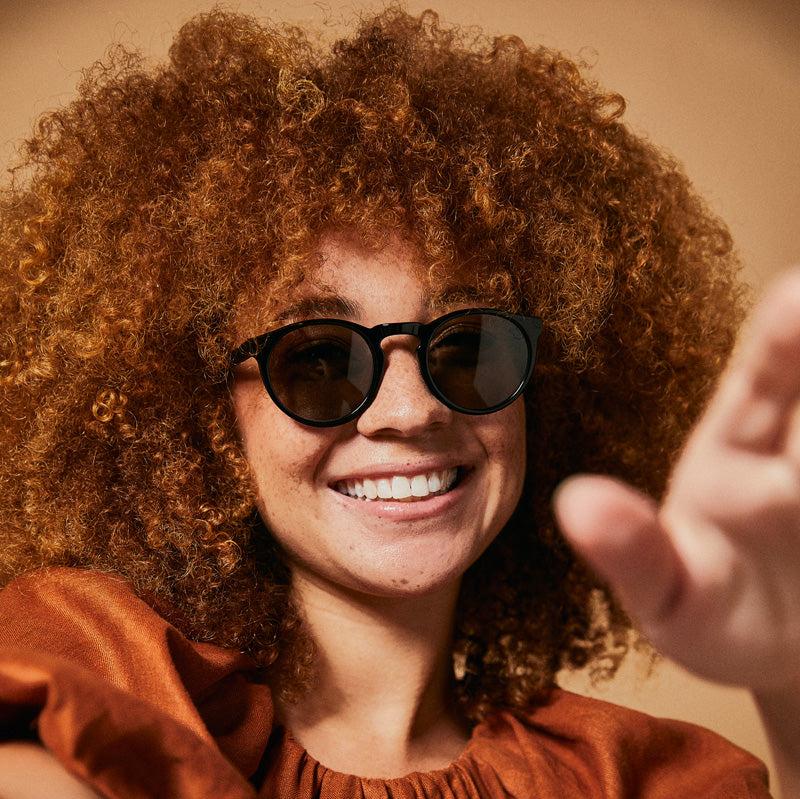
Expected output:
(120, 697)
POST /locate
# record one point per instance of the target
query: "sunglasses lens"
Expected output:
(478, 361)
(321, 372)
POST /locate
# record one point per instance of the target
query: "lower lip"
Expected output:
(405, 511)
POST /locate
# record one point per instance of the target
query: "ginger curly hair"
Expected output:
(142, 218)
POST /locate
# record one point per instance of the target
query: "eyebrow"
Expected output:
(334, 305)
(458, 295)
(319, 306)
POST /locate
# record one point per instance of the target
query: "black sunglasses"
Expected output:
(325, 372)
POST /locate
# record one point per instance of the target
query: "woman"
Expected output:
(296, 557)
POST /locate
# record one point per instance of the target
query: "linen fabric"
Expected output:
(128, 704)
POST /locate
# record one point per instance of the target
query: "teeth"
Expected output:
(418, 487)
(399, 487)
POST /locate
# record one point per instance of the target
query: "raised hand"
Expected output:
(712, 575)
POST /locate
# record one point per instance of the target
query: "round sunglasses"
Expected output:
(325, 372)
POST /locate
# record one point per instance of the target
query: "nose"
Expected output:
(404, 405)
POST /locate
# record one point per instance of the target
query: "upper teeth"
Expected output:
(399, 486)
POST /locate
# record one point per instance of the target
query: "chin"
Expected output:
(404, 579)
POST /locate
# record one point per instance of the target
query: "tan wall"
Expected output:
(715, 83)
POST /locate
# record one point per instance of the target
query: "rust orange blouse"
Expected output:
(136, 710)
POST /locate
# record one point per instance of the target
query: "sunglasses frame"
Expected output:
(260, 347)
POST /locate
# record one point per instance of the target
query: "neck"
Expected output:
(380, 699)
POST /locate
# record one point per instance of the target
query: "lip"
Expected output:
(405, 469)
(405, 511)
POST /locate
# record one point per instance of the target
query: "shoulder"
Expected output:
(65, 611)
(37, 585)
(48, 589)
(608, 750)
(70, 622)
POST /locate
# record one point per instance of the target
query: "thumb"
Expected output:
(616, 529)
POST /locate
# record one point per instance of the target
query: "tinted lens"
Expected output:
(320, 372)
(478, 361)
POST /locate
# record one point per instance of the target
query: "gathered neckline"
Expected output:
(295, 749)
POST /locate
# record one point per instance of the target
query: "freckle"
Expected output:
(404, 581)
(351, 547)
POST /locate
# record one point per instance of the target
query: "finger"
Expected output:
(616, 529)
(757, 397)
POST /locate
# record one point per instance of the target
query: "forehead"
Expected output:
(349, 279)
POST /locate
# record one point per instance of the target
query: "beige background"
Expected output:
(715, 83)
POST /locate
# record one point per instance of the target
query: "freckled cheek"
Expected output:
(288, 499)
(281, 455)
(284, 464)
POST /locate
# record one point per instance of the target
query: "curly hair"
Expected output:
(142, 218)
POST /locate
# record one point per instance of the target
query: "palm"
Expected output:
(713, 575)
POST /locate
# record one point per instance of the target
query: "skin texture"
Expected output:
(379, 592)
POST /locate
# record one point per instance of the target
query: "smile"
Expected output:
(400, 488)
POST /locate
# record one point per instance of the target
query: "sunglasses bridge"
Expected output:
(387, 329)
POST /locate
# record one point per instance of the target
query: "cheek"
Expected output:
(282, 455)
(508, 459)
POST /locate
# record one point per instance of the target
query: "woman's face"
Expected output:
(380, 547)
